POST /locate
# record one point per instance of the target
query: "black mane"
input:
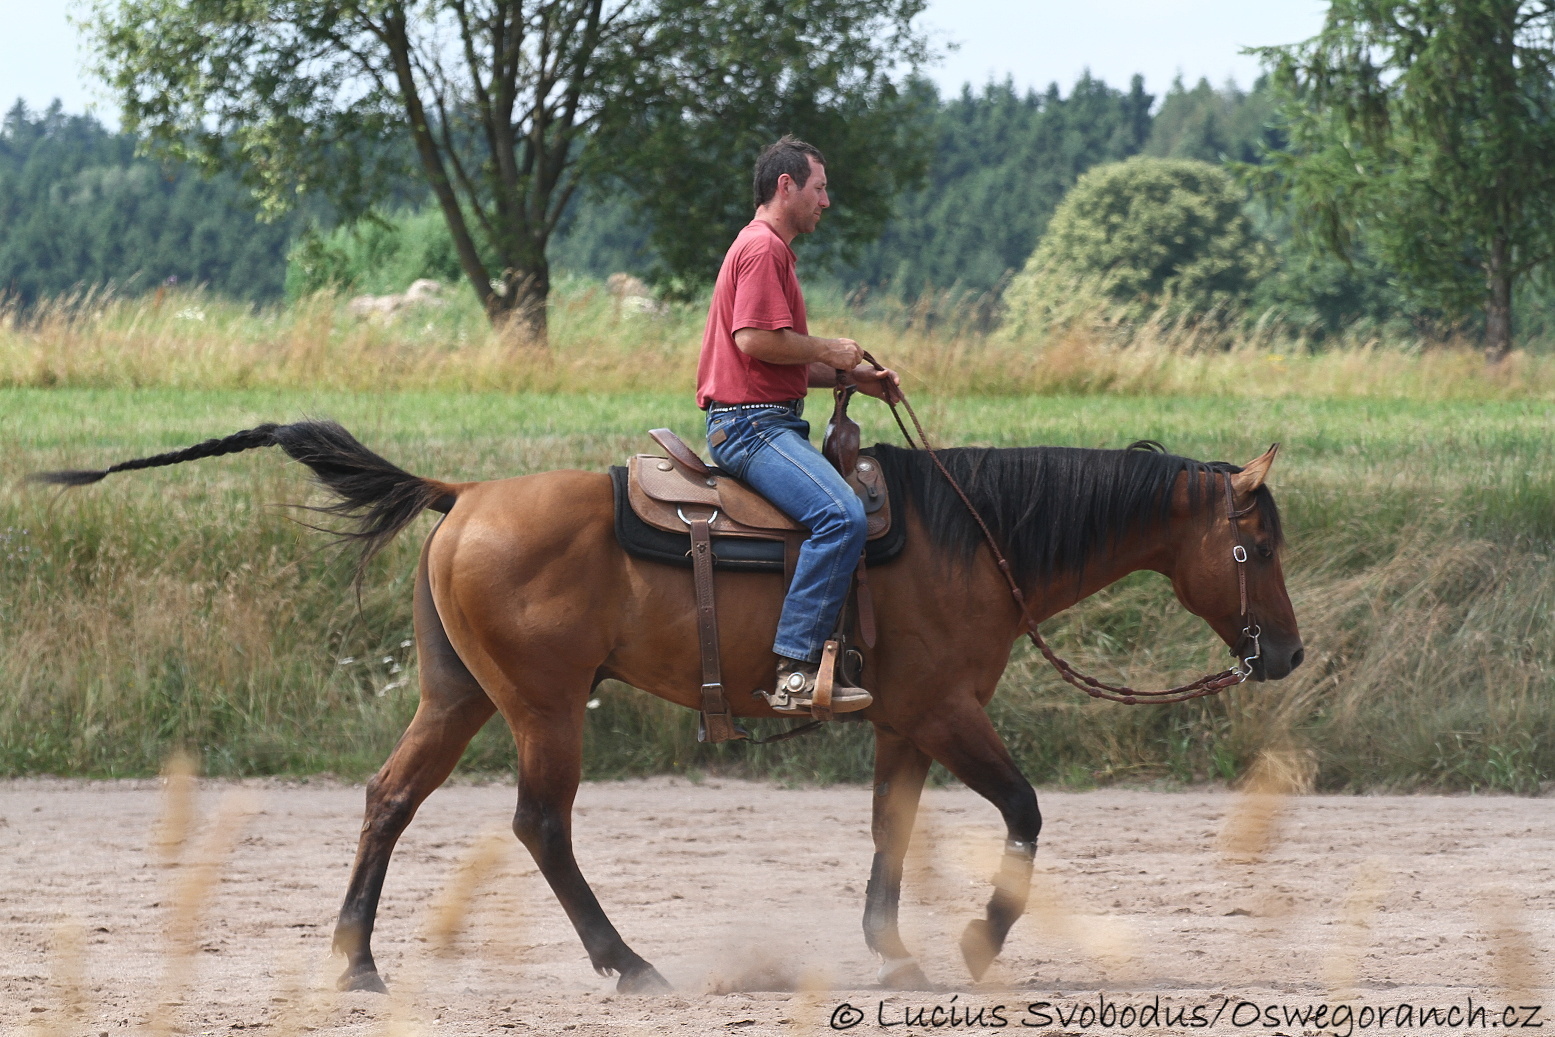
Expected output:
(1051, 508)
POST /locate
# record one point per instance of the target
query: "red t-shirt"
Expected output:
(756, 288)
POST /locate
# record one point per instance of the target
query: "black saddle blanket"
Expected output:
(740, 554)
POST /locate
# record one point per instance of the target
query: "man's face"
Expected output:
(805, 204)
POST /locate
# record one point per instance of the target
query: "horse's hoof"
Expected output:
(644, 980)
(361, 979)
(903, 974)
(977, 947)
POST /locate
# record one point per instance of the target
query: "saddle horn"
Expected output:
(840, 444)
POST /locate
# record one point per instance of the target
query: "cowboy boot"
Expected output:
(795, 691)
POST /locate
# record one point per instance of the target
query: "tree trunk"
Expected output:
(521, 304)
(1498, 302)
(398, 41)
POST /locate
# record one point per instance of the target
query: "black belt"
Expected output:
(797, 406)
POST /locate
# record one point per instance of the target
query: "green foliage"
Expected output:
(1315, 293)
(378, 256)
(1308, 290)
(510, 106)
(1426, 131)
(1001, 163)
(1141, 235)
(385, 253)
(824, 71)
(79, 210)
(1214, 125)
(1533, 301)
(600, 235)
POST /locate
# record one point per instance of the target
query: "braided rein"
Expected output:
(1209, 684)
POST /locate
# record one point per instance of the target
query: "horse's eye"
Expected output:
(1264, 550)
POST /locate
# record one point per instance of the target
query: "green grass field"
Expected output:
(185, 608)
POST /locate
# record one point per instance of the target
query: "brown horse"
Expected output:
(524, 602)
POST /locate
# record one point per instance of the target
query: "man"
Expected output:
(758, 360)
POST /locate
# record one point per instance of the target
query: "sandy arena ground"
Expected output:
(747, 897)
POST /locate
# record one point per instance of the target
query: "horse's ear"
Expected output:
(1254, 472)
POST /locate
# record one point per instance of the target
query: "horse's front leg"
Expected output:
(962, 738)
(900, 768)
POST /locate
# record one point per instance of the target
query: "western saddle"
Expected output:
(681, 494)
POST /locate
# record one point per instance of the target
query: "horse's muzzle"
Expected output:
(1276, 662)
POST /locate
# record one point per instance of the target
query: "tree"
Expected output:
(508, 106)
(1001, 162)
(1138, 235)
(682, 153)
(1426, 129)
(80, 210)
(1214, 125)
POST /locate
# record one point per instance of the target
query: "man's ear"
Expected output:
(1254, 472)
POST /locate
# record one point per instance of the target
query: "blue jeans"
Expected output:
(769, 448)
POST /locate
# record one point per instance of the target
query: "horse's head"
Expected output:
(1228, 570)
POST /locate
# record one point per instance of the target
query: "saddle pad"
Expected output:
(737, 554)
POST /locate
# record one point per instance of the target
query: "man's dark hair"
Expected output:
(788, 155)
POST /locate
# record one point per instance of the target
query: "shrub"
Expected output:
(1137, 236)
(379, 256)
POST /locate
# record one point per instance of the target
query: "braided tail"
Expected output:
(248, 439)
(379, 497)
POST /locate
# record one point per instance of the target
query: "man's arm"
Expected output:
(826, 356)
(822, 376)
(787, 346)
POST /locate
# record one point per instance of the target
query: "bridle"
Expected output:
(1251, 631)
(1209, 684)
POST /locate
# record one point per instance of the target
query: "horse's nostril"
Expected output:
(1295, 660)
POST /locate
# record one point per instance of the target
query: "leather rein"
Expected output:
(1209, 684)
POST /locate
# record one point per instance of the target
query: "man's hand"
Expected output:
(826, 356)
(840, 354)
(882, 384)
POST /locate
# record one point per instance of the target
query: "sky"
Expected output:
(1037, 42)
(1034, 42)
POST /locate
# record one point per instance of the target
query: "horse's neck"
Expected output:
(1051, 595)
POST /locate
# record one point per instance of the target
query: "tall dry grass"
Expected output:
(190, 340)
(1430, 669)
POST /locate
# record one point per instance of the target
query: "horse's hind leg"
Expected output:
(453, 708)
(550, 764)
(900, 769)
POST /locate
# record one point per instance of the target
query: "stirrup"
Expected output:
(798, 682)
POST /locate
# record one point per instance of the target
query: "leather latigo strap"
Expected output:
(717, 724)
(865, 600)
